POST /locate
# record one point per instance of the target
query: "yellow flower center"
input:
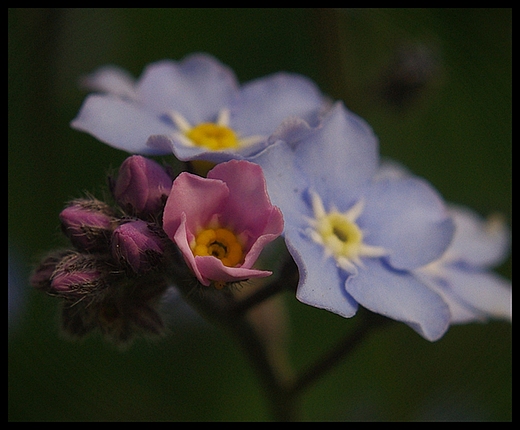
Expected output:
(340, 235)
(213, 136)
(221, 243)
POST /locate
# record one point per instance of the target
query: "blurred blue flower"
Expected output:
(356, 239)
(16, 286)
(463, 276)
(194, 107)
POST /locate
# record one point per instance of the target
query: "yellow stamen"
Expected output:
(221, 243)
(340, 234)
(213, 136)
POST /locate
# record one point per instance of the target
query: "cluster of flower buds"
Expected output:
(112, 279)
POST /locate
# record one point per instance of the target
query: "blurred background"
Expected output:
(435, 84)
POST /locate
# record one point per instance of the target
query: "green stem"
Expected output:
(281, 402)
(369, 322)
(215, 306)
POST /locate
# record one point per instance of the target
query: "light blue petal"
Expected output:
(291, 131)
(285, 183)
(197, 87)
(112, 80)
(408, 218)
(400, 296)
(485, 292)
(340, 156)
(161, 143)
(321, 282)
(264, 103)
(478, 242)
(119, 123)
(460, 312)
(391, 169)
(183, 152)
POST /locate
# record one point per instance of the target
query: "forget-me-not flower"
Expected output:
(221, 223)
(463, 276)
(194, 107)
(356, 239)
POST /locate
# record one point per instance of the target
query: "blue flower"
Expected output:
(195, 108)
(463, 276)
(356, 238)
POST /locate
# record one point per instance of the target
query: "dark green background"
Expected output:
(457, 134)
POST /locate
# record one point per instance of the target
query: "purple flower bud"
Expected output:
(136, 244)
(64, 282)
(77, 275)
(41, 276)
(88, 224)
(142, 186)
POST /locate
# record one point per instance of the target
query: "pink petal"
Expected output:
(211, 268)
(199, 198)
(248, 208)
(180, 237)
(273, 229)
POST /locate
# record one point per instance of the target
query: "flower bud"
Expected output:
(142, 186)
(77, 275)
(88, 224)
(41, 276)
(136, 245)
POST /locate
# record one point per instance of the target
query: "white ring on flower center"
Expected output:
(222, 120)
(340, 236)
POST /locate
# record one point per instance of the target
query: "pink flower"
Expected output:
(221, 223)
